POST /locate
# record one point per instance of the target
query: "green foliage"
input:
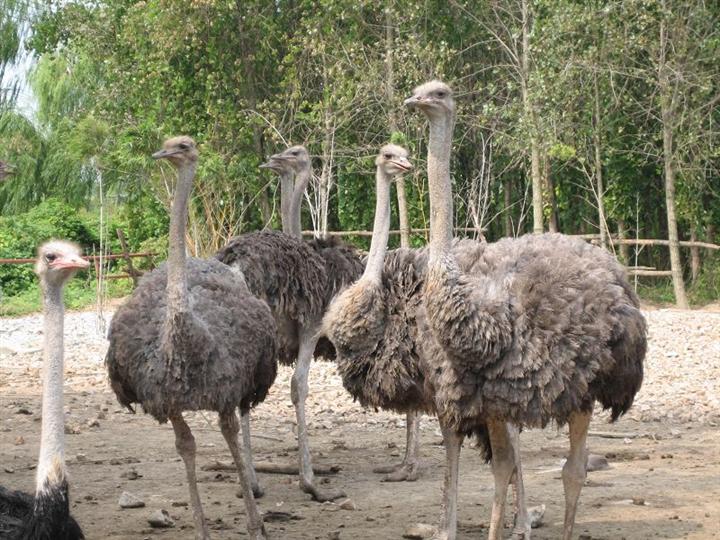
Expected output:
(79, 293)
(114, 77)
(20, 236)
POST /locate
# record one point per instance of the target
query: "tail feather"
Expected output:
(616, 389)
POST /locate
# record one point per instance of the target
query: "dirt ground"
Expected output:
(663, 480)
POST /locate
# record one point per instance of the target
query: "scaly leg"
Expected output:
(230, 430)
(248, 457)
(448, 523)
(522, 528)
(574, 471)
(409, 469)
(503, 439)
(298, 392)
(185, 445)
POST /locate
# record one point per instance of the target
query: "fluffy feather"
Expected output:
(226, 346)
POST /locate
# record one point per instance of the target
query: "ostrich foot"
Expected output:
(258, 492)
(258, 535)
(406, 471)
(322, 496)
(403, 472)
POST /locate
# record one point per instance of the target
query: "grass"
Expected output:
(78, 294)
(705, 289)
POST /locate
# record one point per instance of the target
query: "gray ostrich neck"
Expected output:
(440, 186)
(52, 440)
(381, 228)
(301, 182)
(176, 267)
(286, 196)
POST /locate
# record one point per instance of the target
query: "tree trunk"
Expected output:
(667, 112)
(694, 256)
(624, 248)
(392, 121)
(535, 173)
(599, 187)
(710, 235)
(550, 183)
(250, 85)
(507, 202)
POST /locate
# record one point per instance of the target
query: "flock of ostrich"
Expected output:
(490, 338)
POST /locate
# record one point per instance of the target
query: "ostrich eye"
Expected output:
(295, 153)
(50, 257)
(388, 156)
(184, 146)
(440, 94)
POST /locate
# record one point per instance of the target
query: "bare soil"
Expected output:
(663, 480)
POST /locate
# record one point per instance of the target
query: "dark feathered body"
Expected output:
(373, 328)
(539, 327)
(219, 355)
(42, 517)
(297, 279)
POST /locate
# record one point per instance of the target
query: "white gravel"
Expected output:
(682, 376)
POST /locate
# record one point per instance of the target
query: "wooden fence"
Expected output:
(614, 240)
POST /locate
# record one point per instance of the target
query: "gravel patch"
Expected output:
(682, 375)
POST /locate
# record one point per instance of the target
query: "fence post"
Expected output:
(126, 254)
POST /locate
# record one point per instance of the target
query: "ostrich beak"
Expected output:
(412, 101)
(160, 154)
(403, 164)
(70, 262)
(271, 164)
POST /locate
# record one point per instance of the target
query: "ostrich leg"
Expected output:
(185, 445)
(448, 521)
(298, 392)
(504, 439)
(574, 471)
(258, 492)
(230, 430)
(409, 468)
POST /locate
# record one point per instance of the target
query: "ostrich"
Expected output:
(192, 337)
(46, 516)
(295, 161)
(536, 331)
(297, 279)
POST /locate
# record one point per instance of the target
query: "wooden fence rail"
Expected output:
(92, 258)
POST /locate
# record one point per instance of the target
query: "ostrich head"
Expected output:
(179, 151)
(58, 260)
(292, 160)
(433, 98)
(393, 160)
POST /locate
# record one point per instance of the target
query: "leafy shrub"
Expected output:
(21, 234)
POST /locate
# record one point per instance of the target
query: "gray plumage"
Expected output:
(537, 328)
(297, 279)
(220, 356)
(193, 337)
(374, 331)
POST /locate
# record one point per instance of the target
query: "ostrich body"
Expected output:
(297, 279)
(536, 331)
(46, 515)
(343, 261)
(372, 322)
(193, 337)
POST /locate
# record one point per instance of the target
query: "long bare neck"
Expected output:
(381, 228)
(440, 186)
(177, 300)
(52, 440)
(286, 198)
(301, 182)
